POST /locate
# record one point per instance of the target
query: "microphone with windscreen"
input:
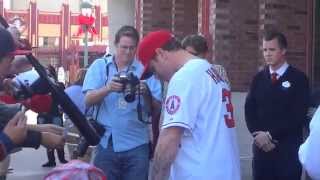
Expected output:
(75, 115)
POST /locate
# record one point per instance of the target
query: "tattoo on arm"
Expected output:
(166, 151)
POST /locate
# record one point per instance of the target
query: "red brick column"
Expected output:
(1, 8)
(204, 10)
(137, 14)
(33, 24)
(64, 32)
(203, 17)
(97, 23)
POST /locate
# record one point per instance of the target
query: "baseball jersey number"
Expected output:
(228, 117)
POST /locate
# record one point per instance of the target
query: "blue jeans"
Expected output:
(128, 165)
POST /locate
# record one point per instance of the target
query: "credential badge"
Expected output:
(122, 104)
(286, 84)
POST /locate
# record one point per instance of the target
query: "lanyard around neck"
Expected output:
(114, 62)
(117, 69)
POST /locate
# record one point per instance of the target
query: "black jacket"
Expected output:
(279, 108)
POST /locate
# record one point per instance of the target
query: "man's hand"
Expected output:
(262, 139)
(51, 128)
(16, 129)
(166, 152)
(96, 96)
(268, 147)
(50, 140)
(144, 89)
(115, 85)
(8, 86)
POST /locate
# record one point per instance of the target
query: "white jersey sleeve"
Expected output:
(310, 149)
(180, 104)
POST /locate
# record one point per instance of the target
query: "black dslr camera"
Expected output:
(129, 81)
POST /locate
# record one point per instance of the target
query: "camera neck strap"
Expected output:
(117, 68)
(139, 105)
(105, 83)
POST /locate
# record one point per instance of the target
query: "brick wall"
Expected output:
(185, 17)
(234, 30)
(1, 7)
(155, 14)
(175, 15)
(290, 17)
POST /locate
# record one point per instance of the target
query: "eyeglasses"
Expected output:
(125, 48)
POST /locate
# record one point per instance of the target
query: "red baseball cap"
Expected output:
(149, 44)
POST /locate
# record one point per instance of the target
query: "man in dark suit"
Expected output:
(275, 111)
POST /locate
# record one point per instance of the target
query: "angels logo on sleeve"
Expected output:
(173, 104)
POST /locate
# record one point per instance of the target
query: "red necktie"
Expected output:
(274, 77)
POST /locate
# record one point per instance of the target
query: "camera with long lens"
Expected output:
(129, 81)
(26, 84)
(83, 144)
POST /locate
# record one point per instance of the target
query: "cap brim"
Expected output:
(147, 73)
(20, 52)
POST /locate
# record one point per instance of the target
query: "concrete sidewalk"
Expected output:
(27, 163)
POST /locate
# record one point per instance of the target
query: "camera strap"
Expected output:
(105, 83)
(139, 106)
(88, 112)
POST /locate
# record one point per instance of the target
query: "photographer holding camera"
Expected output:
(124, 103)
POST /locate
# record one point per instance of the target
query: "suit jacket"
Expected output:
(279, 108)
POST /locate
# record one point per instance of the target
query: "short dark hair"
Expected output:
(172, 45)
(197, 42)
(128, 31)
(269, 35)
(80, 76)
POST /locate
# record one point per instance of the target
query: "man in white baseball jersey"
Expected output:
(198, 139)
(310, 149)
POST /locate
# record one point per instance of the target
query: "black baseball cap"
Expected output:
(8, 46)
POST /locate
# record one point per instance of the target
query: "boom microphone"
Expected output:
(76, 116)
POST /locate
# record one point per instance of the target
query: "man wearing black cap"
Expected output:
(16, 129)
(16, 132)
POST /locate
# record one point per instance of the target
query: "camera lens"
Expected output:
(129, 93)
(129, 97)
